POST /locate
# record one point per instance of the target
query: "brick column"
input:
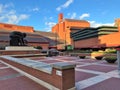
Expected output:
(64, 76)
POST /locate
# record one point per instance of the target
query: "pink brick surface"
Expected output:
(111, 64)
(109, 84)
(7, 71)
(2, 65)
(89, 60)
(20, 83)
(83, 75)
(38, 58)
(98, 68)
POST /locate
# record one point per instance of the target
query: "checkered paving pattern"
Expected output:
(13, 80)
(90, 74)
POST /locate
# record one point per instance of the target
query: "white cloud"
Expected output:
(73, 15)
(9, 15)
(65, 5)
(35, 9)
(14, 19)
(2, 18)
(95, 24)
(3, 7)
(49, 25)
(84, 15)
(58, 8)
(51, 18)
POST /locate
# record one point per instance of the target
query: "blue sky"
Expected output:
(43, 14)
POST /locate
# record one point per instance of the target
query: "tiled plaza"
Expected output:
(90, 74)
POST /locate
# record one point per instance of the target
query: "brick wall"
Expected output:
(86, 43)
(3, 52)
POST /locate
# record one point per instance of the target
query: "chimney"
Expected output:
(117, 23)
(60, 18)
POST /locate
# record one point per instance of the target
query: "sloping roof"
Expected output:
(76, 20)
(37, 37)
(47, 34)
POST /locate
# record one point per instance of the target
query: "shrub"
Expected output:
(99, 57)
(82, 57)
(38, 47)
(110, 59)
(110, 50)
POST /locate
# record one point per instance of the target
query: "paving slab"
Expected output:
(7, 71)
(90, 74)
(109, 84)
(20, 83)
(98, 68)
(51, 61)
(3, 65)
(89, 60)
(79, 76)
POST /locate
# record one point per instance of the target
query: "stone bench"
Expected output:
(29, 55)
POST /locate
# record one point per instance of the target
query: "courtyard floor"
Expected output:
(90, 74)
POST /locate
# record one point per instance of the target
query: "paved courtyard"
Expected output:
(90, 74)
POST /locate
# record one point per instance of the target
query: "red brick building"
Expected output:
(62, 28)
(100, 37)
(34, 38)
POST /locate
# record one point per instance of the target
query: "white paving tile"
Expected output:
(90, 71)
(91, 81)
(4, 67)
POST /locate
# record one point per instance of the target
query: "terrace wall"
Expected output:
(12, 27)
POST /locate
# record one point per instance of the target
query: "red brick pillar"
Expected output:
(63, 76)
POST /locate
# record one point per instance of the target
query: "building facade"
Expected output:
(34, 40)
(62, 28)
(99, 37)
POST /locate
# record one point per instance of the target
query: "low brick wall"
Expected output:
(91, 54)
(10, 52)
(61, 77)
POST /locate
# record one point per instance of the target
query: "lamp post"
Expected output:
(73, 44)
(56, 39)
(65, 40)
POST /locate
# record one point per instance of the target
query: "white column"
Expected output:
(118, 59)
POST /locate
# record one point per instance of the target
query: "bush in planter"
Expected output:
(82, 57)
(99, 57)
(38, 47)
(110, 59)
(110, 50)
